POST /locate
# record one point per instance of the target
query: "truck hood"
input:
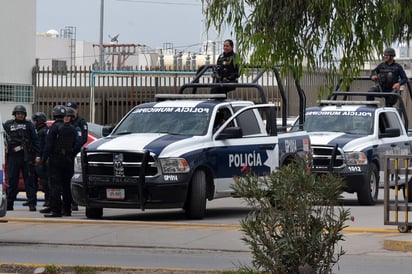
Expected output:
(345, 141)
(154, 142)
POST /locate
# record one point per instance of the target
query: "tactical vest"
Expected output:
(387, 79)
(66, 137)
(225, 66)
(18, 134)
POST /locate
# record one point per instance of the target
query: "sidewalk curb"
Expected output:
(397, 245)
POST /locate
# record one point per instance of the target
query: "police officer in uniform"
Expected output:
(58, 153)
(389, 75)
(227, 69)
(79, 123)
(39, 120)
(69, 118)
(23, 152)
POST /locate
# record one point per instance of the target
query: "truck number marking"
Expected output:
(245, 159)
(290, 146)
(354, 168)
(170, 177)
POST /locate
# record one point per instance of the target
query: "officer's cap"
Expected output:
(72, 105)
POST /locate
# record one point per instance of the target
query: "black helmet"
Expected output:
(39, 117)
(59, 111)
(389, 52)
(19, 108)
(70, 112)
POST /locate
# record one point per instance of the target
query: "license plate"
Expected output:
(115, 194)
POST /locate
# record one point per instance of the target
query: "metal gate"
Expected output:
(398, 169)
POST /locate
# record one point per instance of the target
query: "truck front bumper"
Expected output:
(353, 176)
(155, 193)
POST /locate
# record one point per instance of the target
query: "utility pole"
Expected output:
(101, 52)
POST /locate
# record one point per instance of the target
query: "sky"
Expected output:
(150, 23)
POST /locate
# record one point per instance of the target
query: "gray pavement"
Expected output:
(216, 231)
(365, 235)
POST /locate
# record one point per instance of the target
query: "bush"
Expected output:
(295, 223)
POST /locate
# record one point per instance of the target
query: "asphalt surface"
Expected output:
(118, 228)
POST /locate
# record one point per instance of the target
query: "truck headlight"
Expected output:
(174, 165)
(78, 163)
(356, 158)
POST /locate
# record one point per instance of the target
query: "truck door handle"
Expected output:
(407, 144)
(394, 145)
(267, 147)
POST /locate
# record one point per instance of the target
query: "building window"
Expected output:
(16, 93)
(59, 67)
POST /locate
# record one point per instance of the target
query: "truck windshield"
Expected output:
(145, 120)
(352, 122)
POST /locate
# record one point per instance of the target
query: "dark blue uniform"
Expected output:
(58, 152)
(227, 71)
(41, 171)
(388, 75)
(82, 134)
(22, 148)
(80, 124)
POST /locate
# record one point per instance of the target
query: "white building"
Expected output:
(17, 54)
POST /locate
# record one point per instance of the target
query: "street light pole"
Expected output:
(101, 62)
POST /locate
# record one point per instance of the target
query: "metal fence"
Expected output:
(115, 94)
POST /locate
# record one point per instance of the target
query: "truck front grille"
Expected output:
(119, 163)
(325, 157)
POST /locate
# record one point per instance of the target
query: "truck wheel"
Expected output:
(94, 213)
(368, 195)
(196, 201)
(409, 191)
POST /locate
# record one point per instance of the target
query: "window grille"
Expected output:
(16, 93)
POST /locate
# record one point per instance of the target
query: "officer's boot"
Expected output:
(10, 205)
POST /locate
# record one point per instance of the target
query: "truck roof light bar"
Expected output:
(345, 102)
(190, 96)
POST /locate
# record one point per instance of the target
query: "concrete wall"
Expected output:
(49, 48)
(17, 47)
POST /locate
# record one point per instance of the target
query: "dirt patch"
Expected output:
(52, 269)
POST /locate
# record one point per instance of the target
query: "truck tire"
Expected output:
(94, 213)
(368, 195)
(196, 201)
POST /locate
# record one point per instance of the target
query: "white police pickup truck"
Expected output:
(180, 152)
(350, 138)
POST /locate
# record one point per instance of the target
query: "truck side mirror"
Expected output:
(106, 130)
(390, 133)
(230, 132)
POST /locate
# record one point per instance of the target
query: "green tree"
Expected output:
(311, 33)
(295, 223)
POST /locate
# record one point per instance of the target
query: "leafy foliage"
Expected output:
(312, 34)
(295, 224)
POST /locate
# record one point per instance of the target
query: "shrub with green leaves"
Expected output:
(295, 223)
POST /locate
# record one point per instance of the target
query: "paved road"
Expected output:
(167, 233)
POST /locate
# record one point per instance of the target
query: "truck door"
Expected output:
(391, 145)
(242, 142)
